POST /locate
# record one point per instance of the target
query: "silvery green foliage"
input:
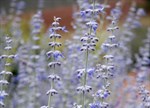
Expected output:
(5, 73)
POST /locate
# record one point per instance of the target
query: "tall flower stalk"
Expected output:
(55, 56)
(7, 57)
(36, 28)
(15, 27)
(107, 70)
(23, 78)
(89, 42)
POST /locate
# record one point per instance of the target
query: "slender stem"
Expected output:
(83, 100)
(86, 60)
(86, 66)
(50, 96)
(49, 102)
(35, 52)
(52, 81)
(85, 77)
(4, 76)
(5, 67)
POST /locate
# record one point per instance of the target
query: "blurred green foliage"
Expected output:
(137, 42)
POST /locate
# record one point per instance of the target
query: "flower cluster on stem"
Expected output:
(107, 70)
(7, 58)
(89, 41)
(55, 55)
(36, 28)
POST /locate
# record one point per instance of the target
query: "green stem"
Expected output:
(52, 81)
(49, 101)
(85, 77)
(86, 66)
(50, 96)
(86, 62)
(34, 74)
(83, 97)
(86, 58)
(5, 69)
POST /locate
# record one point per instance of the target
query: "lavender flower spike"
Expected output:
(89, 41)
(5, 72)
(55, 55)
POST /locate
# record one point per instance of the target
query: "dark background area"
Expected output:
(33, 4)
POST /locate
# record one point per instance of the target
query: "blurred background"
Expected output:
(64, 9)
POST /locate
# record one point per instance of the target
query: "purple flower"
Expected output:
(57, 54)
(51, 30)
(83, 15)
(21, 5)
(2, 98)
(91, 72)
(93, 25)
(64, 29)
(95, 11)
(103, 93)
(95, 105)
(141, 12)
(116, 13)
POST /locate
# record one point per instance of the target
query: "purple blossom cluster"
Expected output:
(5, 73)
(55, 55)
(95, 68)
